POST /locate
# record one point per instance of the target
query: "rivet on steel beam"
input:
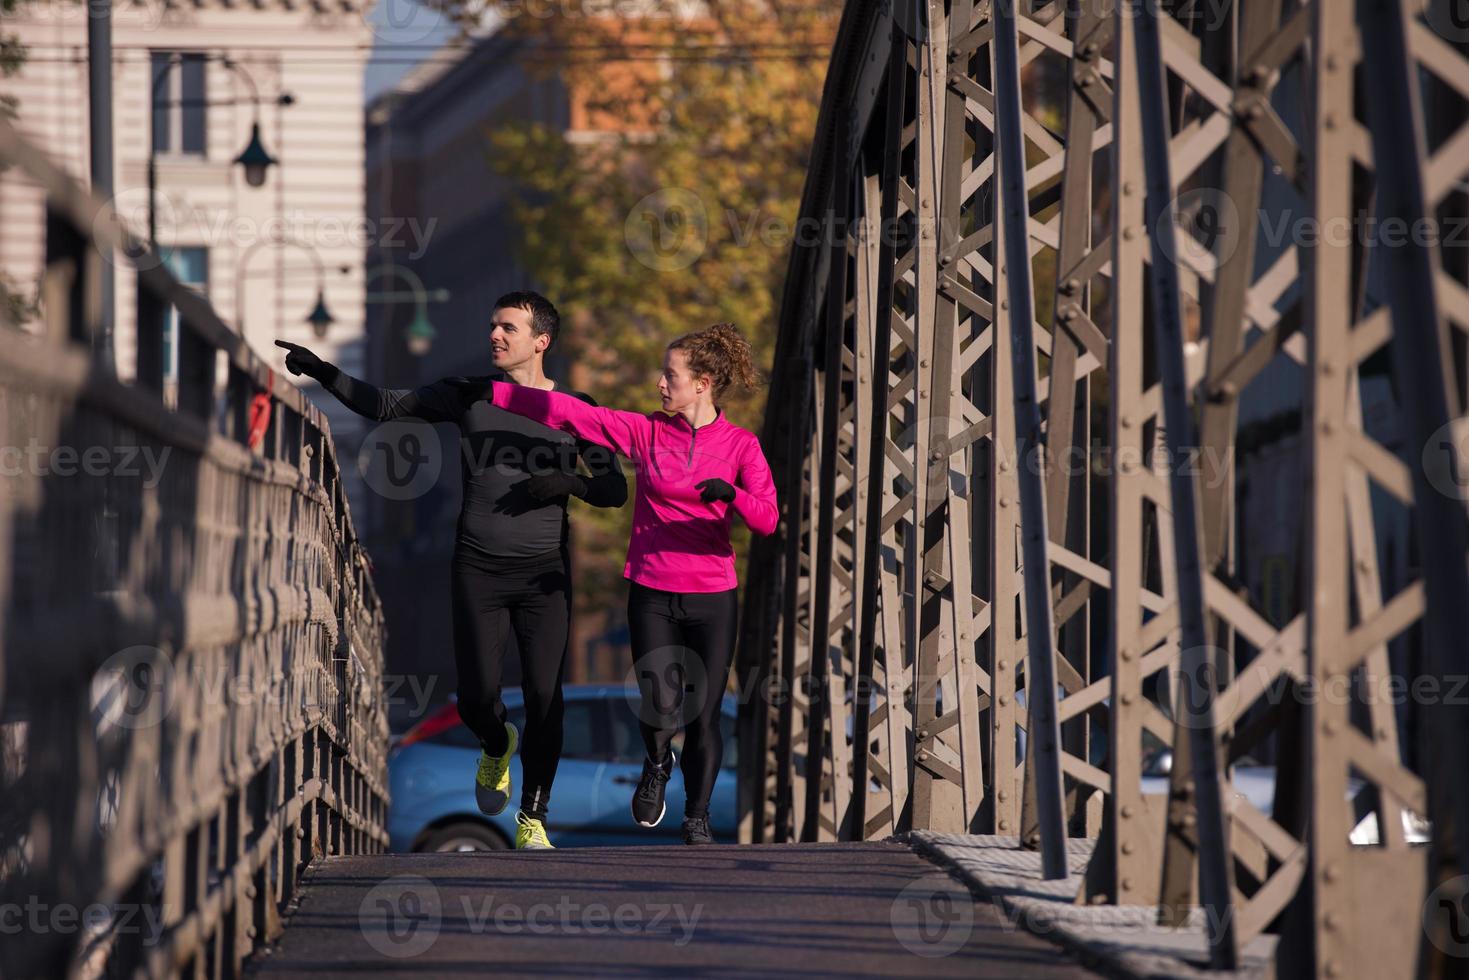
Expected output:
(923, 734)
(1332, 970)
(1255, 111)
(1128, 234)
(1004, 795)
(1329, 873)
(1126, 699)
(1126, 847)
(1331, 920)
(1329, 728)
(1125, 653)
(1003, 700)
(1004, 665)
(1127, 884)
(1127, 811)
(1125, 421)
(1071, 286)
(1004, 501)
(920, 755)
(1004, 825)
(1329, 121)
(1127, 188)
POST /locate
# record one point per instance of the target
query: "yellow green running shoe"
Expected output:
(530, 834)
(492, 782)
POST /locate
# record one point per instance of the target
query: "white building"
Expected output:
(189, 82)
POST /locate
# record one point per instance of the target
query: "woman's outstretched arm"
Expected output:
(755, 493)
(624, 432)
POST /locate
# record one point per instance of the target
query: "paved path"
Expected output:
(808, 910)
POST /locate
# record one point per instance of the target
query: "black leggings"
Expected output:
(530, 596)
(682, 645)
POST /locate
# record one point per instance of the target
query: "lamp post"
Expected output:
(253, 158)
(420, 333)
(320, 317)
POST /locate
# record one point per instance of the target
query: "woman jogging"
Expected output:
(695, 471)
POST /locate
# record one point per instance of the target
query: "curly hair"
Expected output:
(722, 353)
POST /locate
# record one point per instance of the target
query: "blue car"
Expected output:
(431, 774)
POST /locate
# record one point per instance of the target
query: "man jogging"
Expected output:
(510, 563)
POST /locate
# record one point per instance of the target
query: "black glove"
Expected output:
(299, 360)
(556, 484)
(714, 489)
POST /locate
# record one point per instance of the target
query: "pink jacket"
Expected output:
(679, 543)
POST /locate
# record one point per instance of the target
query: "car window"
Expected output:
(580, 731)
(627, 738)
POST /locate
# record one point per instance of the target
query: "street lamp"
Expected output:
(253, 158)
(420, 333)
(320, 317)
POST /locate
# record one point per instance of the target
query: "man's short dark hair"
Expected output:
(543, 316)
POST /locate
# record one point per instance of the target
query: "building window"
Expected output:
(178, 102)
(190, 266)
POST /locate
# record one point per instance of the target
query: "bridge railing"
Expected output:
(1119, 379)
(192, 644)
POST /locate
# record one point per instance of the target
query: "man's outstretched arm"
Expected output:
(429, 403)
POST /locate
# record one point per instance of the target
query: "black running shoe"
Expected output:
(696, 830)
(647, 802)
